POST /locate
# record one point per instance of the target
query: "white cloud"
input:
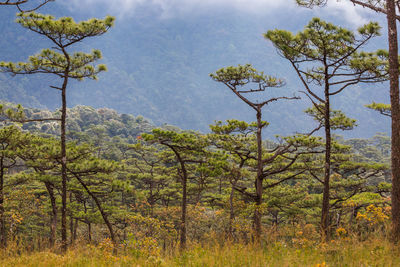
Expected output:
(354, 14)
(172, 8)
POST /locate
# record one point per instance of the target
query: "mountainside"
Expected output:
(88, 124)
(159, 68)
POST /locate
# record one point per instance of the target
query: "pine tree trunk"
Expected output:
(88, 223)
(151, 200)
(327, 169)
(394, 100)
(184, 207)
(75, 229)
(3, 232)
(71, 223)
(232, 212)
(53, 224)
(184, 199)
(71, 229)
(89, 232)
(259, 180)
(64, 241)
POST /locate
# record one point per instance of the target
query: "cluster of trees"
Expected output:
(131, 188)
(173, 185)
(104, 124)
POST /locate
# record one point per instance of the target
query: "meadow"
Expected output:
(346, 251)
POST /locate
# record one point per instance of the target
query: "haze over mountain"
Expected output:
(161, 52)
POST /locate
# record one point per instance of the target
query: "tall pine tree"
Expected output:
(326, 60)
(63, 33)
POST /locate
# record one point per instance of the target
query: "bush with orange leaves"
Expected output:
(373, 219)
(373, 215)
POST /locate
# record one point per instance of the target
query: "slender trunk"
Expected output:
(125, 236)
(184, 205)
(71, 222)
(64, 177)
(184, 198)
(276, 221)
(339, 218)
(64, 241)
(232, 211)
(75, 229)
(394, 100)
(88, 223)
(325, 198)
(53, 224)
(353, 214)
(259, 180)
(89, 232)
(102, 212)
(71, 229)
(3, 232)
(151, 199)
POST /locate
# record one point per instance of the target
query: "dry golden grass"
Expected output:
(337, 253)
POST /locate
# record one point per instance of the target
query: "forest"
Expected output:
(84, 186)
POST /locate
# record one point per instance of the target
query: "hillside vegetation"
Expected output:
(279, 177)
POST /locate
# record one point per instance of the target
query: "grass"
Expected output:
(337, 253)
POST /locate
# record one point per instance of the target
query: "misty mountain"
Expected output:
(159, 68)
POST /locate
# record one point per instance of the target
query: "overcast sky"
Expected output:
(173, 8)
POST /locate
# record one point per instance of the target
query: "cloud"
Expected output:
(353, 14)
(173, 8)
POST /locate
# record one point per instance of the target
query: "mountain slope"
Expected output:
(159, 68)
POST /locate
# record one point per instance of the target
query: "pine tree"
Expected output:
(190, 150)
(336, 65)
(237, 139)
(147, 172)
(388, 8)
(63, 33)
(43, 156)
(276, 161)
(11, 114)
(39, 154)
(94, 175)
(11, 140)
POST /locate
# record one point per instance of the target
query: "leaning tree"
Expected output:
(63, 33)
